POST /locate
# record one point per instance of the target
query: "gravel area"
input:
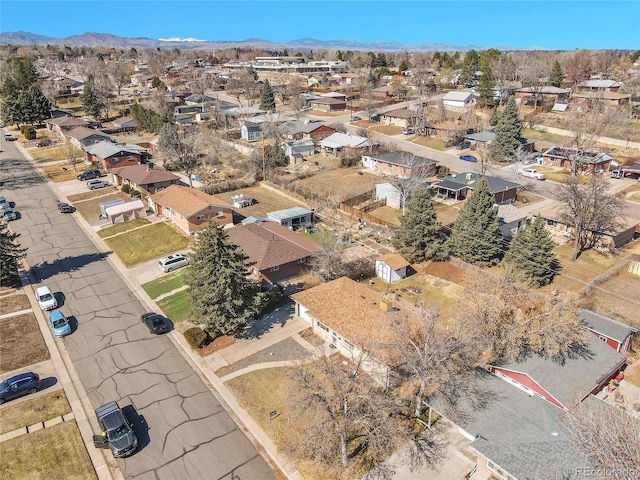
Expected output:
(287, 349)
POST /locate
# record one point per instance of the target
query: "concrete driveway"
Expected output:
(184, 431)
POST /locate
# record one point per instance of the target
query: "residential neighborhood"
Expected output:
(313, 263)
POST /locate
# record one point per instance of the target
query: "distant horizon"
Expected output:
(505, 24)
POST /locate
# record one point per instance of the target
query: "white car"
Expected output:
(46, 298)
(173, 262)
(532, 173)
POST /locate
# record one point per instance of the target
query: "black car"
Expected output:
(89, 175)
(19, 385)
(463, 145)
(65, 208)
(155, 323)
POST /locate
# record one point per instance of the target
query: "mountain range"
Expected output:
(92, 39)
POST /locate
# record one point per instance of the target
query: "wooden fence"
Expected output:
(370, 203)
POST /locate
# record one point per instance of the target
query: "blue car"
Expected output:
(59, 324)
(19, 385)
(468, 158)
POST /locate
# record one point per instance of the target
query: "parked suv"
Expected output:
(173, 262)
(89, 174)
(19, 385)
(45, 298)
(117, 433)
(93, 184)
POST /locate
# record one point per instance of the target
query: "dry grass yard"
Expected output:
(339, 184)
(47, 154)
(269, 199)
(33, 410)
(91, 194)
(21, 343)
(431, 142)
(574, 276)
(62, 172)
(11, 301)
(89, 208)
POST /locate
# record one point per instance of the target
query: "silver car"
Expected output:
(532, 173)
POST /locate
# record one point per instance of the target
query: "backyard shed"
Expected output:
(124, 212)
(391, 267)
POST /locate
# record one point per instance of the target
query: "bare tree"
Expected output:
(71, 152)
(413, 174)
(608, 436)
(181, 148)
(586, 126)
(590, 209)
(579, 67)
(120, 73)
(328, 264)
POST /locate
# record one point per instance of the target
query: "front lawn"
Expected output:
(165, 284)
(61, 172)
(176, 307)
(33, 410)
(122, 227)
(21, 343)
(53, 452)
(146, 243)
(431, 142)
(48, 154)
(574, 276)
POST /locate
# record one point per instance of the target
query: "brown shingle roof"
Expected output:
(394, 260)
(83, 132)
(67, 121)
(269, 244)
(352, 310)
(186, 201)
(143, 175)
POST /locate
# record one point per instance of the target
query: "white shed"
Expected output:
(123, 212)
(391, 267)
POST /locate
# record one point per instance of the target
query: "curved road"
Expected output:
(184, 431)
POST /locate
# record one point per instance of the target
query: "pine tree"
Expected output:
(557, 75)
(418, 236)
(476, 236)
(10, 255)
(267, 99)
(508, 132)
(531, 251)
(35, 106)
(222, 297)
(89, 98)
(485, 89)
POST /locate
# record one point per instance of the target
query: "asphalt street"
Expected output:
(184, 432)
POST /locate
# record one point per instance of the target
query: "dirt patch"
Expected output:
(218, 344)
(21, 343)
(525, 198)
(444, 270)
(268, 200)
(388, 214)
(14, 303)
(338, 184)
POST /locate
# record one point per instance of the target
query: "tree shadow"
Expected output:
(46, 270)
(265, 322)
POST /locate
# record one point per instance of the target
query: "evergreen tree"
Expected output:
(18, 74)
(476, 236)
(418, 236)
(508, 132)
(531, 251)
(485, 89)
(34, 105)
(10, 111)
(10, 255)
(557, 75)
(222, 297)
(267, 99)
(89, 99)
(469, 67)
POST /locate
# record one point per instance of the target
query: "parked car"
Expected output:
(46, 299)
(59, 324)
(617, 173)
(355, 118)
(19, 385)
(9, 215)
(9, 138)
(4, 205)
(117, 432)
(89, 175)
(155, 323)
(65, 208)
(45, 142)
(532, 173)
(463, 145)
(375, 117)
(93, 184)
(468, 158)
(173, 262)
(306, 109)
(408, 131)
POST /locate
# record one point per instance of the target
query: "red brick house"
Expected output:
(191, 209)
(329, 104)
(588, 162)
(278, 253)
(401, 117)
(59, 125)
(400, 164)
(112, 155)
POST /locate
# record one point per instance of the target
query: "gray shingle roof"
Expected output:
(605, 325)
(402, 158)
(469, 179)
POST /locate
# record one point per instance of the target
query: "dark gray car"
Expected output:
(117, 433)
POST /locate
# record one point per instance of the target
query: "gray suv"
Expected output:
(117, 434)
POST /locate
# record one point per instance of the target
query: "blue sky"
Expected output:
(561, 24)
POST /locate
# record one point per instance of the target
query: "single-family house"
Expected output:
(297, 150)
(183, 119)
(62, 124)
(561, 232)
(400, 117)
(606, 98)
(615, 334)
(543, 94)
(276, 252)
(400, 164)
(485, 138)
(587, 161)
(60, 112)
(340, 141)
(111, 155)
(125, 124)
(458, 100)
(83, 137)
(599, 85)
(294, 218)
(145, 178)
(297, 129)
(328, 104)
(511, 219)
(352, 318)
(191, 209)
(391, 267)
(251, 132)
(459, 186)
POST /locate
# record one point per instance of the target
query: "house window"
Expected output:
(602, 337)
(199, 217)
(130, 157)
(274, 269)
(322, 326)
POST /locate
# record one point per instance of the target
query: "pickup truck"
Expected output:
(117, 433)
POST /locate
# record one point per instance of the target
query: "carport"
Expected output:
(126, 211)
